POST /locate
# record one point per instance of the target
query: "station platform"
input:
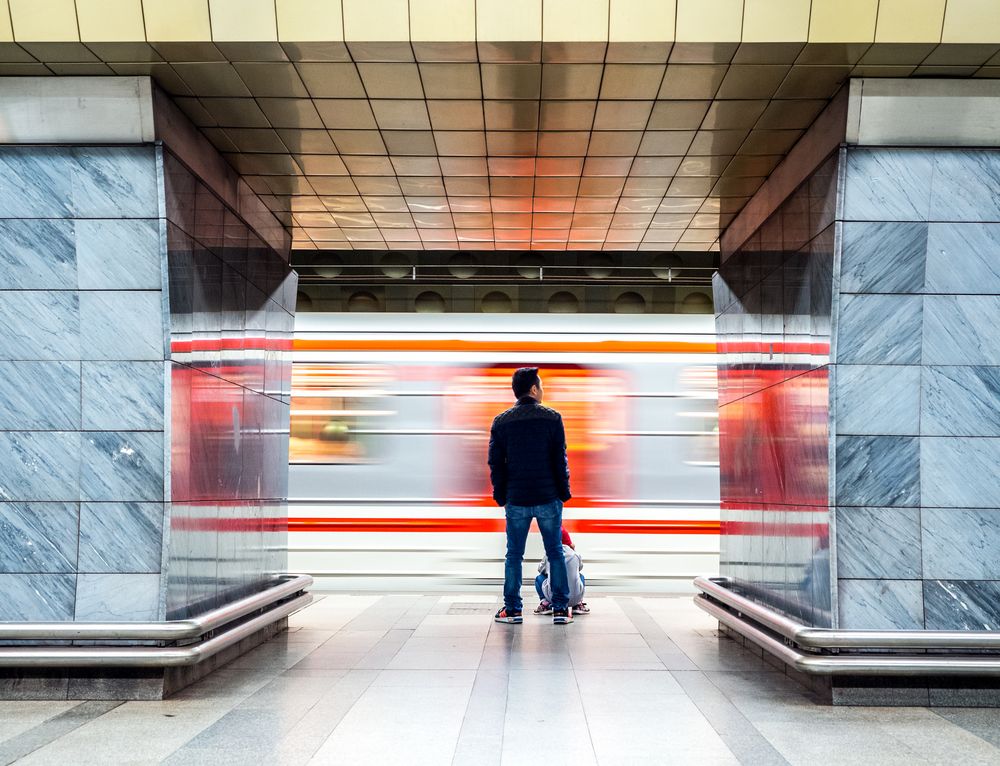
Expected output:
(431, 679)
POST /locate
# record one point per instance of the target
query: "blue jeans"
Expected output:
(541, 578)
(549, 518)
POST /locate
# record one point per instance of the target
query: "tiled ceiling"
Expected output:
(485, 144)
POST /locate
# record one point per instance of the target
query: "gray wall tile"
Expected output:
(121, 537)
(965, 184)
(883, 257)
(961, 329)
(37, 254)
(879, 543)
(44, 597)
(115, 597)
(960, 401)
(121, 325)
(962, 605)
(119, 466)
(35, 182)
(119, 254)
(40, 396)
(961, 543)
(879, 329)
(963, 258)
(877, 399)
(878, 471)
(115, 182)
(959, 472)
(38, 537)
(39, 325)
(121, 396)
(881, 604)
(888, 185)
(39, 465)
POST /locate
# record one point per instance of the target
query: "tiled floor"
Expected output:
(411, 679)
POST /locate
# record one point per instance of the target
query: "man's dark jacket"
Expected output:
(528, 455)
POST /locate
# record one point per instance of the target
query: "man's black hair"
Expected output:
(523, 379)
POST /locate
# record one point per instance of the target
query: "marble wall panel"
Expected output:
(961, 329)
(962, 604)
(880, 604)
(42, 597)
(964, 184)
(114, 182)
(963, 258)
(878, 543)
(961, 543)
(960, 401)
(121, 325)
(959, 472)
(883, 257)
(43, 396)
(123, 396)
(119, 254)
(39, 325)
(38, 537)
(36, 182)
(117, 597)
(39, 465)
(37, 254)
(885, 184)
(878, 471)
(121, 537)
(121, 465)
(877, 399)
(879, 329)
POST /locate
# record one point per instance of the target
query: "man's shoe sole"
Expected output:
(562, 620)
(509, 620)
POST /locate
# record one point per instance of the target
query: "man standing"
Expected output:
(530, 478)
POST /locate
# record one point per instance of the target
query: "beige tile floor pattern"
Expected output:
(430, 679)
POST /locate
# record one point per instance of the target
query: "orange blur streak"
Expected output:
(591, 526)
(599, 346)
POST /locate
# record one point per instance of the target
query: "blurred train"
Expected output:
(390, 418)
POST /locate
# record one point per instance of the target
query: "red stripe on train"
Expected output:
(593, 526)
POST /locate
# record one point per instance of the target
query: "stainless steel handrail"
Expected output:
(833, 638)
(168, 630)
(854, 665)
(143, 656)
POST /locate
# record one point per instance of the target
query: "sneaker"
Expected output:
(562, 616)
(510, 616)
(581, 608)
(544, 608)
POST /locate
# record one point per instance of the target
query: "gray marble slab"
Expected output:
(39, 465)
(125, 325)
(960, 401)
(877, 399)
(961, 329)
(887, 184)
(878, 471)
(123, 254)
(880, 604)
(122, 465)
(37, 597)
(38, 537)
(115, 182)
(36, 182)
(965, 185)
(961, 543)
(880, 543)
(121, 537)
(879, 329)
(120, 396)
(37, 254)
(117, 597)
(962, 604)
(963, 258)
(883, 257)
(42, 396)
(40, 325)
(959, 472)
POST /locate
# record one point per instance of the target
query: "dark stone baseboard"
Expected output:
(121, 683)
